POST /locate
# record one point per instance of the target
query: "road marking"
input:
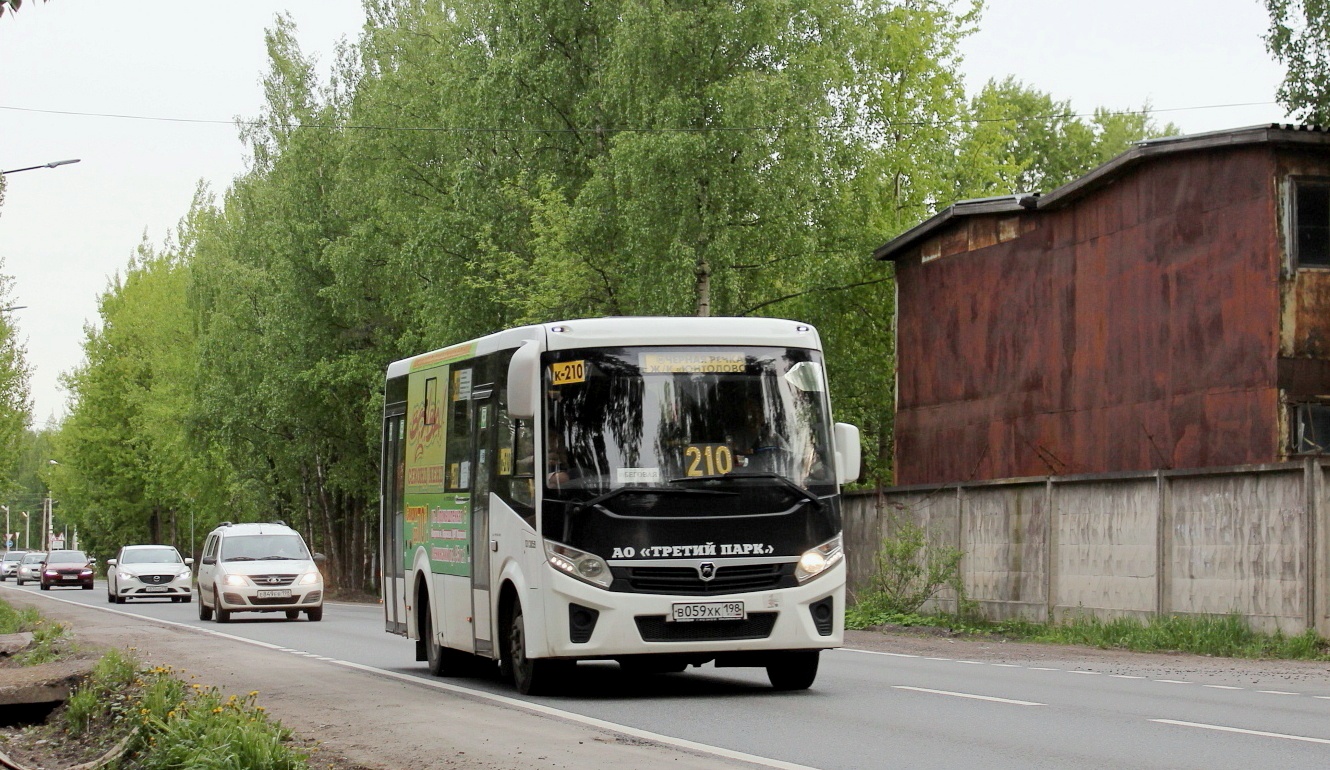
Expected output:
(1278, 692)
(537, 708)
(1224, 729)
(937, 658)
(1171, 681)
(972, 662)
(1223, 687)
(970, 695)
(1006, 665)
(1087, 673)
(1125, 676)
(1043, 668)
(875, 652)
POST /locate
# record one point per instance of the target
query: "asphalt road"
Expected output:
(879, 707)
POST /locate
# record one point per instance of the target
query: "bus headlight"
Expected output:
(584, 566)
(817, 560)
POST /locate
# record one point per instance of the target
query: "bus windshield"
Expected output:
(644, 444)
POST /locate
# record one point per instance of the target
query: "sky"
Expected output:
(184, 70)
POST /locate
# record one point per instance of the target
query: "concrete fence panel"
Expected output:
(1252, 540)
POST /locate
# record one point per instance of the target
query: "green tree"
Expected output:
(15, 376)
(1299, 38)
(1018, 140)
(12, 5)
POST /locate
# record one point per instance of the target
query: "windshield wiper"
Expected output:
(239, 558)
(804, 493)
(606, 496)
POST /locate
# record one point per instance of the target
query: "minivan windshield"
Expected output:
(259, 547)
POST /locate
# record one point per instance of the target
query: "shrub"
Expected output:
(909, 571)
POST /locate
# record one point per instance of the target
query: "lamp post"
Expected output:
(8, 534)
(52, 164)
(48, 515)
(26, 530)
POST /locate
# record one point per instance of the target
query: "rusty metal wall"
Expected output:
(1135, 328)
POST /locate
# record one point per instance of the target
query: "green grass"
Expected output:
(1226, 636)
(46, 635)
(172, 724)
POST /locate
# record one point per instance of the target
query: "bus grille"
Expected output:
(654, 628)
(685, 581)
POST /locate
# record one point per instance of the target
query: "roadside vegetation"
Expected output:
(132, 717)
(46, 635)
(910, 572)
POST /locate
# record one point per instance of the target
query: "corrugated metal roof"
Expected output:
(1270, 133)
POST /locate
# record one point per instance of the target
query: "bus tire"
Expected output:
(531, 676)
(793, 670)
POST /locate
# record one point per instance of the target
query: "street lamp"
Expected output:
(7, 532)
(26, 530)
(52, 164)
(48, 515)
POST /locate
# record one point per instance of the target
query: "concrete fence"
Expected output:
(1249, 539)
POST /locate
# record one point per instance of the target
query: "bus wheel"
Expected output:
(433, 650)
(530, 676)
(794, 670)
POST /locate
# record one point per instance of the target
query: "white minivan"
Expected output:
(258, 568)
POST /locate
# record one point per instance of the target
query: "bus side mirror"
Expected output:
(523, 381)
(847, 453)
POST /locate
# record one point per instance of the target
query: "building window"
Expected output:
(1312, 223)
(1311, 429)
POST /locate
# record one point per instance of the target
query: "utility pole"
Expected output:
(9, 536)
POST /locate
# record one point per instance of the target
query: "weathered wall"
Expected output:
(1250, 539)
(1133, 328)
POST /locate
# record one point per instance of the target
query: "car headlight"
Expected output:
(310, 578)
(184, 573)
(817, 560)
(234, 580)
(584, 566)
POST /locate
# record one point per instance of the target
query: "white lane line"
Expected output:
(972, 662)
(1172, 681)
(875, 652)
(1224, 729)
(1125, 676)
(538, 708)
(1278, 692)
(1223, 687)
(970, 695)
(1321, 697)
(1006, 665)
(1086, 673)
(1042, 668)
(937, 658)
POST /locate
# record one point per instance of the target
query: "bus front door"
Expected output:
(482, 449)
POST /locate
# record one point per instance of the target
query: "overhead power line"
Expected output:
(603, 129)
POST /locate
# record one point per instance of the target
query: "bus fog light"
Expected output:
(816, 561)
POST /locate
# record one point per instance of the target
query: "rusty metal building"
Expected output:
(1169, 310)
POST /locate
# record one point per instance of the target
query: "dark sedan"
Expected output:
(67, 568)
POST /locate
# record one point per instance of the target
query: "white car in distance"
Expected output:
(148, 572)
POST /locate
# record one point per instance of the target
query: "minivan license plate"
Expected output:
(275, 593)
(691, 611)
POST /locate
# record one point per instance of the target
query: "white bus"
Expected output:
(661, 492)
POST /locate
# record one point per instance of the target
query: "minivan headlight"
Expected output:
(310, 578)
(233, 580)
(817, 560)
(584, 566)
